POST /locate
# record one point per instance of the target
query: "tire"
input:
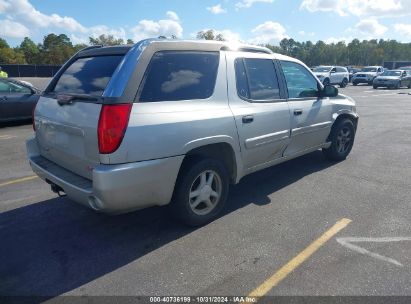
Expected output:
(204, 207)
(326, 82)
(342, 139)
(355, 83)
(375, 87)
(409, 86)
(344, 83)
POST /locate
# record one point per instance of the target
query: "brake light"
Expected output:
(111, 126)
(32, 117)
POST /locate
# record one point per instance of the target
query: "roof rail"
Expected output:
(247, 48)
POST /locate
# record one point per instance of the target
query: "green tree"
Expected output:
(56, 49)
(210, 35)
(30, 50)
(11, 56)
(105, 40)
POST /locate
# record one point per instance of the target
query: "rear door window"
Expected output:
(88, 75)
(256, 79)
(180, 75)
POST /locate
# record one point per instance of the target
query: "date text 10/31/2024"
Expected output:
(202, 299)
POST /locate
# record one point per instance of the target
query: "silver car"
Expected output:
(393, 79)
(176, 122)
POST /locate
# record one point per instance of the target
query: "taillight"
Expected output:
(111, 126)
(32, 117)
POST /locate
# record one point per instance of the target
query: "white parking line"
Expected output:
(347, 242)
(378, 95)
(7, 136)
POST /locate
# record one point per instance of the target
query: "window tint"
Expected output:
(341, 70)
(174, 75)
(256, 79)
(88, 75)
(11, 87)
(300, 82)
(241, 79)
(4, 87)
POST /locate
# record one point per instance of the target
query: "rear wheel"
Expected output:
(342, 139)
(344, 83)
(201, 192)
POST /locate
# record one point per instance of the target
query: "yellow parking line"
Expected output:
(298, 260)
(19, 180)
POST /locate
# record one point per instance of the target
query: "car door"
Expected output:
(311, 115)
(259, 107)
(334, 75)
(17, 101)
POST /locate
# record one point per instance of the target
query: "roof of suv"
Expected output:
(197, 45)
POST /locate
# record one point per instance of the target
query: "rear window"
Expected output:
(180, 75)
(88, 75)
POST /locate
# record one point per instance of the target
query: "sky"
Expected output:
(250, 21)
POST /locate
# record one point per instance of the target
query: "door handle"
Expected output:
(298, 112)
(248, 119)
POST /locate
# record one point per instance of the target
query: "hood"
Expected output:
(366, 73)
(388, 77)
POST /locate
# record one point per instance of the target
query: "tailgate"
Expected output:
(67, 135)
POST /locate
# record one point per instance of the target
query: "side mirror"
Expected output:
(332, 72)
(329, 91)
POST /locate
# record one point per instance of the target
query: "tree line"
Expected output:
(56, 49)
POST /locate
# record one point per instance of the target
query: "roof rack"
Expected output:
(248, 48)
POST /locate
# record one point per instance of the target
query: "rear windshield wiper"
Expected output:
(67, 99)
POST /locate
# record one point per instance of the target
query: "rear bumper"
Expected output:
(113, 188)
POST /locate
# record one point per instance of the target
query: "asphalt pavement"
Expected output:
(50, 246)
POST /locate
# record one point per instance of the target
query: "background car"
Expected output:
(17, 99)
(332, 75)
(351, 72)
(367, 75)
(393, 79)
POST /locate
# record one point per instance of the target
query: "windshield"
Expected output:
(322, 69)
(369, 70)
(392, 73)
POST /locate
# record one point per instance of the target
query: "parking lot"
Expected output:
(51, 246)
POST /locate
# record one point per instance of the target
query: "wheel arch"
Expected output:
(221, 148)
(345, 114)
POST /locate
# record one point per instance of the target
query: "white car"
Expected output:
(367, 75)
(332, 75)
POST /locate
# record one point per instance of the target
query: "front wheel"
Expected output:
(342, 140)
(344, 83)
(201, 192)
(375, 87)
(326, 82)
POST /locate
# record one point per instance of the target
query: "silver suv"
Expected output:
(163, 121)
(367, 75)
